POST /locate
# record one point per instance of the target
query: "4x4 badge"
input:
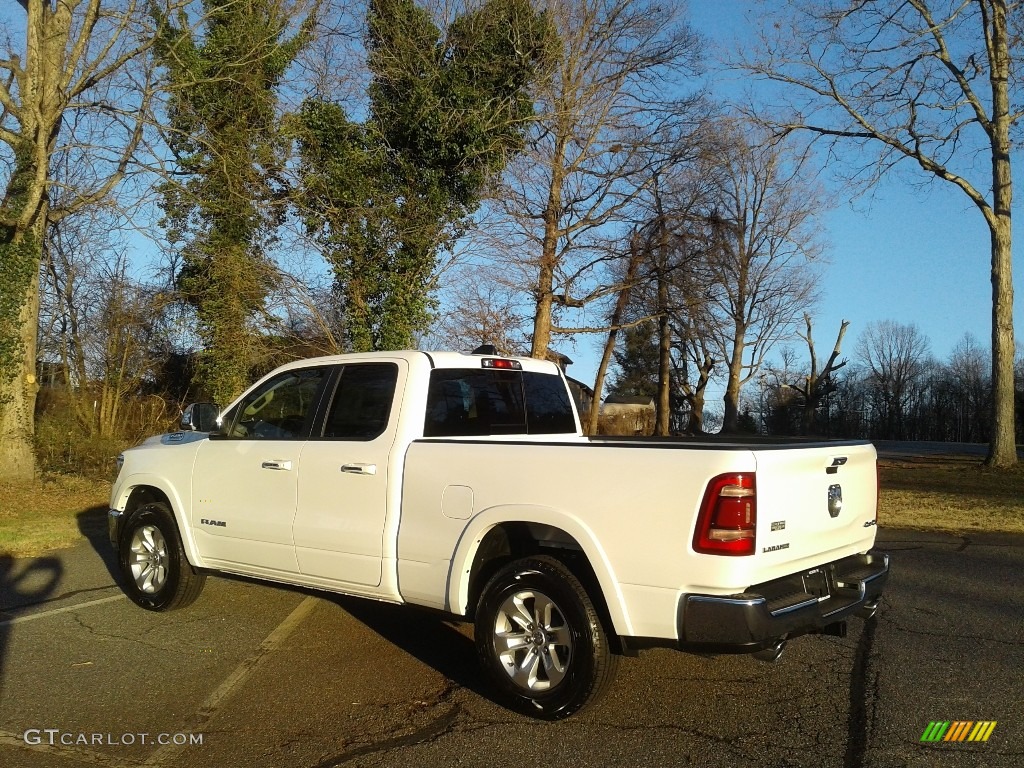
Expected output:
(835, 500)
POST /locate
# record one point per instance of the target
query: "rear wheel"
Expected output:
(541, 641)
(157, 574)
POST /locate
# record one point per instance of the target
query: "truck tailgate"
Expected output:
(814, 504)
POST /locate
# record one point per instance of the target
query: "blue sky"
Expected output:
(906, 252)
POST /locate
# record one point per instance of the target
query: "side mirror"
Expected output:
(200, 417)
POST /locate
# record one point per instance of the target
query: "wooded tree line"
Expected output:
(325, 176)
(893, 388)
(889, 387)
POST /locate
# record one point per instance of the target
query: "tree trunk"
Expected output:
(544, 293)
(1003, 448)
(663, 407)
(731, 417)
(602, 370)
(695, 422)
(544, 298)
(18, 397)
(20, 259)
(609, 347)
(705, 365)
(545, 290)
(23, 217)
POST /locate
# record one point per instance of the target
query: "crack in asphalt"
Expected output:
(135, 638)
(950, 635)
(432, 731)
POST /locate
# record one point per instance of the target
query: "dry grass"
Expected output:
(46, 514)
(950, 493)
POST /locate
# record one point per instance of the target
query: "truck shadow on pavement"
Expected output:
(432, 638)
(92, 523)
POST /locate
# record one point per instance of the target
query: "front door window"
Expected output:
(281, 409)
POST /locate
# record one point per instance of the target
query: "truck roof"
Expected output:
(468, 360)
(438, 359)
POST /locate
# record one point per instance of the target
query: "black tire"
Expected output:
(541, 641)
(157, 575)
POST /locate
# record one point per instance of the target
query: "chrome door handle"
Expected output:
(360, 469)
(283, 465)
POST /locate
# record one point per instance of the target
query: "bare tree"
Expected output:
(921, 81)
(615, 321)
(762, 260)
(818, 385)
(603, 125)
(670, 284)
(897, 357)
(69, 86)
(696, 365)
(308, 320)
(681, 282)
(98, 325)
(487, 313)
(968, 382)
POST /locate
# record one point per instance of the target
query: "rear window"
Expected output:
(468, 403)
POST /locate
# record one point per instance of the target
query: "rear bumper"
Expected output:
(813, 601)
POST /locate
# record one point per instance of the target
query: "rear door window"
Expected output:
(362, 402)
(469, 403)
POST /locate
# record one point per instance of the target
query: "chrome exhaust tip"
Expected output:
(868, 610)
(772, 653)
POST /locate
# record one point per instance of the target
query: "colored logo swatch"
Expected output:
(958, 730)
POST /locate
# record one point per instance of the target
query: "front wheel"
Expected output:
(157, 574)
(541, 641)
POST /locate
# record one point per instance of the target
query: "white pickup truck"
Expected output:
(463, 483)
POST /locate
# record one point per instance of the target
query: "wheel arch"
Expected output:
(500, 534)
(138, 490)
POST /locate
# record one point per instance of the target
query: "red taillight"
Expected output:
(497, 362)
(878, 489)
(728, 516)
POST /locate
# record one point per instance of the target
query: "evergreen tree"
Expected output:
(384, 196)
(637, 362)
(223, 130)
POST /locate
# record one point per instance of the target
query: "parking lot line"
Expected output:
(236, 679)
(65, 609)
(166, 753)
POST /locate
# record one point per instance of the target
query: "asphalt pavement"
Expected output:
(256, 675)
